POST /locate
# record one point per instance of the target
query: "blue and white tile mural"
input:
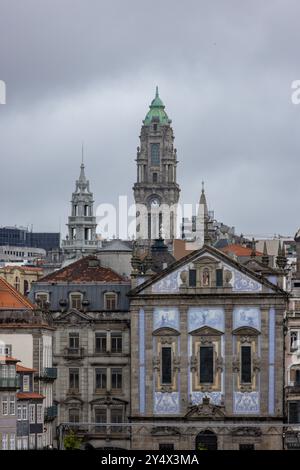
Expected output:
(170, 283)
(166, 403)
(239, 281)
(205, 316)
(246, 316)
(246, 402)
(166, 317)
(215, 397)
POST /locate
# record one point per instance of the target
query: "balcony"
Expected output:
(74, 353)
(7, 383)
(293, 389)
(50, 413)
(111, 431)
(49, 374)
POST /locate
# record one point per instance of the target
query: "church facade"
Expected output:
(207, 357)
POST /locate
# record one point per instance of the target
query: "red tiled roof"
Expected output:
(8, 359)
(239, 250)
(21, 368)
(10, 267)
(84, 270)
(29, 396)
(12, 299)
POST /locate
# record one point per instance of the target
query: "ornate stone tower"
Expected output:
(81, 238)
(156, 191)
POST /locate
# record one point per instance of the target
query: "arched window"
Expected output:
(26, 287)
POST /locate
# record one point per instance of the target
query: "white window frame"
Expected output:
(12, 405)
(110, 294)
(294, 349)
(40, 295)
(24, 412)
(12, 441)
(4, 441)
(19, 443)
(5, 409)
(39, 441)
(79, 294)
(24, 443)
(32, 414)
(19, 413)
(39, 413)
(31, 441)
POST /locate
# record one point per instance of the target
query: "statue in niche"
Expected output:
(205, 278)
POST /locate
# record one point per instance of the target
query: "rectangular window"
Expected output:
(42, 299)
(246, 364)
(19, 443)
(110, 301)
(74, 416)
(116, 379)
(219, 277)
(5, 405)
(100, 419)
(192, 277)
(32, 441)
(24, 413)
(293, 341)
(101, 343)
(12, 371)
(39, 414)
(12, 405)
(101, 379)
(32, 414)
(12, 442)
(74, 341)
(166, 446)
(19, 413)
(39, 441)
(294, 412)
(24, 443)
(206, 364)
(116, 418)
(4, 441)
(166, 365)
(246, 447)
(26, 383)
(116, 342)
(76, 301)
(74, 379)
(155, 155)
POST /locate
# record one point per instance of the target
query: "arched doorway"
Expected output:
(206, 440)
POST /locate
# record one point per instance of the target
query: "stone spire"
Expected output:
(281, 258)
(265, 256)
(81, 238)
(253, 246)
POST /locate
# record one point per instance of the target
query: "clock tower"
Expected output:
(156, 191)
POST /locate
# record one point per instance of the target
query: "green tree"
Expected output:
(72, 441)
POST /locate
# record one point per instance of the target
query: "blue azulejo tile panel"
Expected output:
(142, 389)
(215, 397)
(246, 316)
(166, 317)
(170, 283)
(246, 402)
(243, 283)
(166, 403)
(205, 316)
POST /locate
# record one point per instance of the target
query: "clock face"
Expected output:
(155, 203)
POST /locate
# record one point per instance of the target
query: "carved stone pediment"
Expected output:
(165, 431)
(246, 331)
(165, 332)
(108, 400)
(205, 260)
(206, 331)
(73, 316)
(206, 410)
(247, 431)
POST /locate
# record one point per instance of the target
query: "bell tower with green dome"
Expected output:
(156, 191)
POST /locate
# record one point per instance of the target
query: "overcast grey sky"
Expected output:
(86, 70)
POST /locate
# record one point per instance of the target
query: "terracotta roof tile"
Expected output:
(21, 368)
(87, 269)
(8, 359)
(12, 299)
(29, 396)
(239, 250)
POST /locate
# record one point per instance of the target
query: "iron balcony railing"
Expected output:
(50, 413)
(50, 373)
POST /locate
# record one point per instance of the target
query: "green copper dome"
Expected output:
(157, 111)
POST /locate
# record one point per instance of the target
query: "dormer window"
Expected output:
(42, 298)
(76, 300)
(110, 301)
